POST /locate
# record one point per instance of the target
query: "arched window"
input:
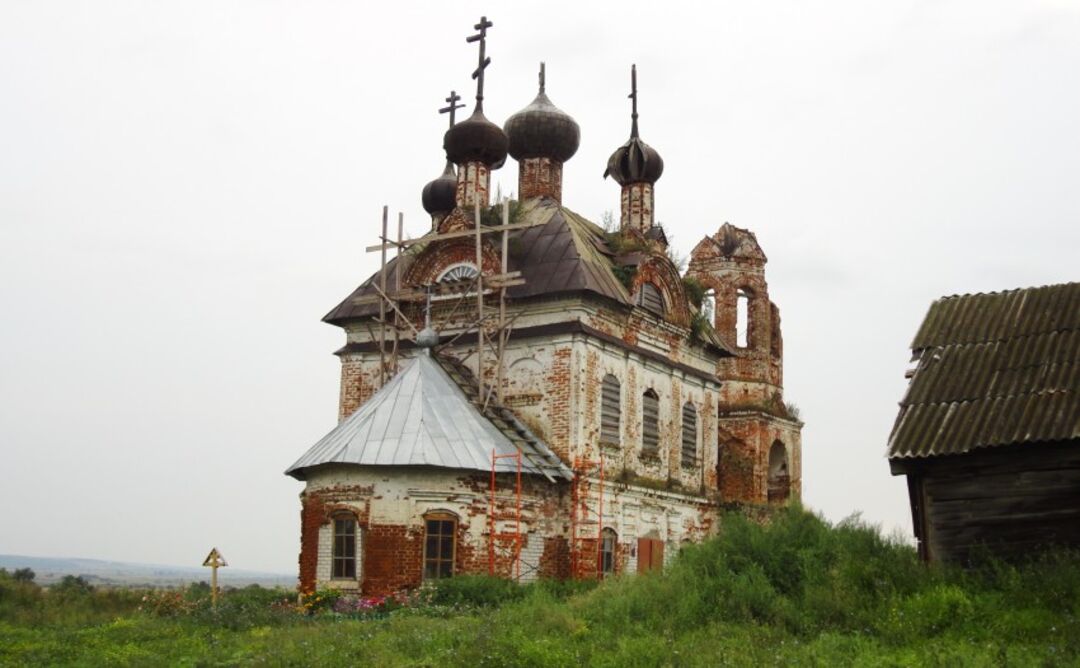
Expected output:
(650, 298)
(608, 540)
(742, 318)
(440, 545)
(344, 557)
(708, 306)
(650, 422)
(689, 435)
(463, 271)
(779, 478)
(610, 410)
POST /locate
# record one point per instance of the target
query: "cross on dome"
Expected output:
(483, 60)
(452, 107)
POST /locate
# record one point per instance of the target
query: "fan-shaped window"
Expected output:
(458, 272)
(650, 298)
(650, 422)
(689, 435)
(610, 410)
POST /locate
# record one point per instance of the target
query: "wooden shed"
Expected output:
(988, 433)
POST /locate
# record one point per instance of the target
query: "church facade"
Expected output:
(598, 417)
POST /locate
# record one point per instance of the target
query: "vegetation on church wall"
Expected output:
(795, 591)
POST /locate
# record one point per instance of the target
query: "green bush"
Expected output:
(479, 591)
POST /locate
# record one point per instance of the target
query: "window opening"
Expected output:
(610, 410)
(689, 435)
(742, 318)
(344, 548)
(439, 544)
(608, 541)
(779, 478)
(650, 298)
(708, 306)
(458, 272)
(650, 422)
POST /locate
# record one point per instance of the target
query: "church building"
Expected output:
(527, 394)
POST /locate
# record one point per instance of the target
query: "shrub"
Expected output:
(479, 591)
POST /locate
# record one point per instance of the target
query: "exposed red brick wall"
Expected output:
(555, 560)
(316, 510)
(538, 177)
(359, 380)
(557, 402)
(393, 558)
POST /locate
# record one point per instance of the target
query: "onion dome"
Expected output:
(440, 195)
(476, 139)
(635, 161)
(542, 130)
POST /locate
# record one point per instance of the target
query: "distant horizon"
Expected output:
(4, 557)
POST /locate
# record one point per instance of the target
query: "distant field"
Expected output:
(117, 573)
(797, 592)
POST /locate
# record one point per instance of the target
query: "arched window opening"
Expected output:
(610, 410)
(742, 318)
(608, 541)
(689, 435)
(708, 306)
(650, 298)
(650, 422)
(344, 556)
(464, 271)
(440, 545)
(779, 478)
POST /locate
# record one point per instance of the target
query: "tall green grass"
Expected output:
(797, 591)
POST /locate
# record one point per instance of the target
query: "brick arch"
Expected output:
(437, 257)
(659, 271)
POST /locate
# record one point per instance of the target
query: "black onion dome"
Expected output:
(440, 195)
(635, 162)
(476, 139)
(542, 130)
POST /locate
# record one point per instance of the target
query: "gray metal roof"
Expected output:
(994, 369)
(423, 417)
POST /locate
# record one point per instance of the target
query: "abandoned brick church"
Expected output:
(527, 394)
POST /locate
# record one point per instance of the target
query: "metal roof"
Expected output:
(424, 417)
(994, 369)
(559, 252)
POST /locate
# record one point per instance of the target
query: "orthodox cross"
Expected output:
(541, 77)
(452, 107)
(483, 62)
(633, 98)
(214, 561)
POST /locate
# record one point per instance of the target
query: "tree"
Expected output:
(24, 575)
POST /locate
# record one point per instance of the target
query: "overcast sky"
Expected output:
(187, 187)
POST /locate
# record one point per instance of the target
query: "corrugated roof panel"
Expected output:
(995, 369)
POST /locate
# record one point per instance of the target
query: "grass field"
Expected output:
(796, 592)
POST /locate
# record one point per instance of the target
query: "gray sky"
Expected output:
(187, 187)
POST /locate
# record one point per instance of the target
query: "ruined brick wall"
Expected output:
(745, 442)
(390, 505)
